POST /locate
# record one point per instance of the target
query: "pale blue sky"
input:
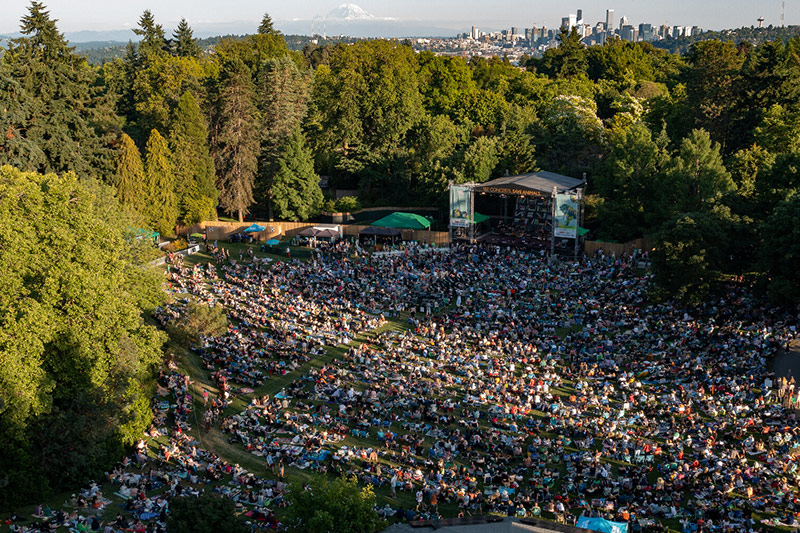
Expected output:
(77, 15)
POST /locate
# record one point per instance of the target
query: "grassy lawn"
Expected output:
(239, 250)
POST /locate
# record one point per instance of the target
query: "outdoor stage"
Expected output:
(536, 211)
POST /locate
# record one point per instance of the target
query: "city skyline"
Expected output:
(455, 15)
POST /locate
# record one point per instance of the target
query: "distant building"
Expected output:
(475, 33)
(610, 20)
(623, 21)
(627, 32)
(646, 32)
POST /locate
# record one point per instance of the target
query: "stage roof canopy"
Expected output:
(541, 181)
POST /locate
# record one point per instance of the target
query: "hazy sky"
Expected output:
(77, 15)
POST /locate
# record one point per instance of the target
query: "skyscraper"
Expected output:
(646, 32)
(627, 32)
(609, 20)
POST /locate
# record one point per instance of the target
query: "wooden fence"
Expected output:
(220, 231)
(616, 248)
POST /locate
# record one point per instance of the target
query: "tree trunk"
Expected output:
(241, 218)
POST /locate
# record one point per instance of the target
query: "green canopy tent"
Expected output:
(142, 233)
(400, 220)
(477, 218)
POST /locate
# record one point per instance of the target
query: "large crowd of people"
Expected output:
(517, 385)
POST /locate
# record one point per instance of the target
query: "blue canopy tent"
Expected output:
(602, 525)
(255, 228)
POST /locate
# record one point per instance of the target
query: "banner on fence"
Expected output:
(566, 218)
(460, 206)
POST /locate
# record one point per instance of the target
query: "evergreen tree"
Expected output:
(154, 41)
(62, 120)
(183, 42)
(162, 205)
(283, 101)
(130, 180)
(568, 59)
(266, 27)
(194, 167)
(15, 106)
(236, 140)
(283, 98)
(697, 177)
(44, 37)
(118, 78)
(295, 191)
(714, 89)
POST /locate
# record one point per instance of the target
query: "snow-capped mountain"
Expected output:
(350, 12)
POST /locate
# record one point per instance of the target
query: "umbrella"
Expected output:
(309, 232)
(197, 235)
(327, 234)
(255, 228)
(273, 242)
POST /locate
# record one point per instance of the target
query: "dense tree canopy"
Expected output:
(658, 135)
(75, 354)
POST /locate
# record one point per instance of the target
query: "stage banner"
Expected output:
(566, 225)
(460, 206)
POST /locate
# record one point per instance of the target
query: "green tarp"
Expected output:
(582, 231)
(403, 221)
